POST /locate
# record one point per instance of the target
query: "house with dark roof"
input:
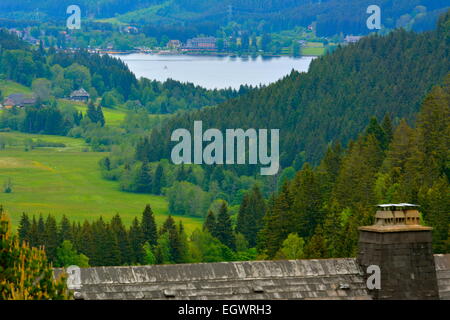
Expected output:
(400, 250)
(80, 95)
(19, 100)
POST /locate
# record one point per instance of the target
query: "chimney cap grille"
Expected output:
(397, 205)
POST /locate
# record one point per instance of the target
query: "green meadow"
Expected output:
(9, 87)
(68, 181)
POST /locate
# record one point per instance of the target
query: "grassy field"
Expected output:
(113, 117)
(9, 87)
(68, 181)
(313, 51)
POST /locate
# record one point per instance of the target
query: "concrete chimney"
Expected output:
(402, 249)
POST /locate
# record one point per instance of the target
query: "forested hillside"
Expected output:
(336, 98)
(316, 214)
(192, 17)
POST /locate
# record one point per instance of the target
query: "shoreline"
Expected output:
(228, 55)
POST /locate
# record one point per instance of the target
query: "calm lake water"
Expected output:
(214, 72)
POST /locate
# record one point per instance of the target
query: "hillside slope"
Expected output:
(337, 97)
(207, 16)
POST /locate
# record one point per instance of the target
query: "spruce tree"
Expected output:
(316, 247)
(210, 223)
(144, 179)
(244, 217)
(307, 208)
(92, 112)
(24, 229)
(65, 230)
(137, 241)
(34, 233)
(110, 245)
(224, 228)
(387, 128)
(121, 236)
(435, 204)
(168, 225)
(88, 244)
(278, 222)
(158, 180)
(251, 214)
(51, 242)
(40, 232)
(100, 117)
(183, 245)
(148, 225)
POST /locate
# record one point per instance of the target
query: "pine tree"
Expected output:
(176, 247)
(332, 230)
(356, 180)
(224, 228)
(51, 242)
(162, 251)
(375, 129)
(121, 236)
(65, 230)
(329, 168)
(168, 225)
(183, 247)
(148, 225)
(144, 179)
(92, 112)
(403, 165)
(34, 233)
(316, 248)
(251, 214)
(24, 229)
(99, 116)
(40, 232)
(243, 218)
(137, 241)
(110, 245)
(387, 128)
(307, 206)
(435, 202)
(210, 223)
(88, 244)
(158, 180)
(433, 126)
(277, 222)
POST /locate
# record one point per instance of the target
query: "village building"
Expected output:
(174, 44)
(131, 30)
(201, 44)
(80, 95)
(19, 100)
(401, 250)
(352, 39)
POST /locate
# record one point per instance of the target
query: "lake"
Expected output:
(212, 71)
